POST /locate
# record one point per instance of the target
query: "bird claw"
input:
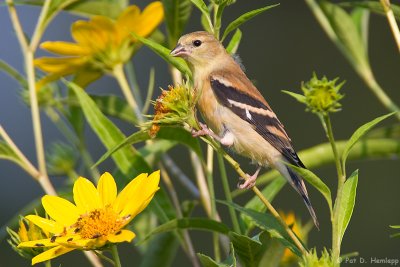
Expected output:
(248, 183)
(202, 132)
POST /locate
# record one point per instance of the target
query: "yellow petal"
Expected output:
(150, 18)
(60, 210)
(89, 35)
(38, 243)
(85, 76)
(107, 189)
(60, 64)
(86, 196)
(128, 193)
(65, 48)
(51, 254)
(22, 232)
(141, 197)
(46, 224)
(121, 236)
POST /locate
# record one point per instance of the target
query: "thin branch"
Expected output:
(17, 25)
(392, 21)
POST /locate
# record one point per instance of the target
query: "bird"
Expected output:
(236, 113)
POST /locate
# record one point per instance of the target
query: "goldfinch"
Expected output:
(236, 113)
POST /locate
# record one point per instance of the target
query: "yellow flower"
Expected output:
(98, 217)
(101, 44)
(299, 229)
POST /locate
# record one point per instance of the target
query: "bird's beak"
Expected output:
(179, 51)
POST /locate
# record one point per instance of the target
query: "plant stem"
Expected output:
(101, 256)
(40, 26)
(114, 252)
(119, 75)
(265, 201)
(210, 182)
(336, 242)
(47, 263)
(228, 195)
(392, 21)
(174, 196)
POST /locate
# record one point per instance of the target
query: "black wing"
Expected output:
(257, 114)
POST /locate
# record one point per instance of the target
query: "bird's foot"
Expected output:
(250, 181)
(203, 131)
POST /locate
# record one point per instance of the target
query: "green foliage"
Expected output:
(373, 6)
(315, 181)
(161, 251)
(312, 260)
(207, 261)
(359, 133)
(244, 18)
(177, 13)
(346, 204)
(7, 153)
(234, 42)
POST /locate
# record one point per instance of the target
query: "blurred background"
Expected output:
(280, 49)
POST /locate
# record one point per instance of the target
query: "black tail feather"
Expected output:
(298, 184)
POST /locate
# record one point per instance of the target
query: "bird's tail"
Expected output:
(297, 183)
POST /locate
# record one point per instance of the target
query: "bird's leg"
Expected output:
(251, 181)
(226, 139)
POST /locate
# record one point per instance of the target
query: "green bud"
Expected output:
(27, 231)
(322, 95)
(311, 259)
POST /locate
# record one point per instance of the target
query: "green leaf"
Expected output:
(164, 52)
(127, 159)
(244, 18)
(177, 13)
(373, 6)
(189, 223)
(347, 35)
(273, 251)
(8, 154)
(207, 261)
(360, 18)
(298, 97)
(166, 133)
(346, 204)
(315, 181)
(248, 249)
(360, 132)
(109, 105)
(161, 251)
(268, 223)
(255, 203)
(130, 140)
(234, 42)
(203, 9)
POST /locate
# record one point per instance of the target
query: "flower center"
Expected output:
(99, 222)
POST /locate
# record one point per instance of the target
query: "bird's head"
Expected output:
(198, 48)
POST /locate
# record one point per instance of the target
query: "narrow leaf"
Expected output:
(127, 157)
(189, 223)
(244, 18)
(346, 204)
(234, 42)
(203, 9)
(164, 52)
(360, 132)
(207, 261)
(298, 97)
(315, 181)
(373, 6)
(4, 66)
(248, 249)
(268, 223)
(177, 13)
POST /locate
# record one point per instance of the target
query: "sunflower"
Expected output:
(100, 45)
(97, 218)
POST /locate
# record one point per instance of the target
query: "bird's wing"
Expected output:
(250, 106)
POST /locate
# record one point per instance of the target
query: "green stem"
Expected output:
(210, 182)
(131, 74)
(336, 243)
(114, 252)
(265, 201)
(228, 195)
(119, 75)
(47, 263)
(392, 21)
(217, 24)
(101, 256)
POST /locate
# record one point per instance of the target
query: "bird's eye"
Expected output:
(197, 43)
